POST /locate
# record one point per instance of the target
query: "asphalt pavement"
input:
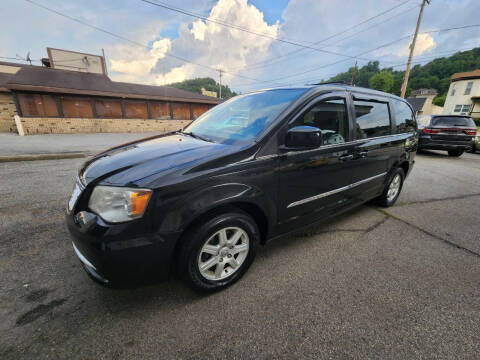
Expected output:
(379, 283)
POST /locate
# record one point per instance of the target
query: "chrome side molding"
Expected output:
(335, 191)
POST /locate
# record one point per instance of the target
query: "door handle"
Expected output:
(346, 157)
(363, 154)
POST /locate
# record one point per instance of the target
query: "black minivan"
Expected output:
(251, 169)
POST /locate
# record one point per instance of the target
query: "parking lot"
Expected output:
(401, 282)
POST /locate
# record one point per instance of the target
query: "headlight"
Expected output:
(118, 204)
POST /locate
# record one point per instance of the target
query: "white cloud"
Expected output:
(202, 42)
(425, 43)
(142, 63)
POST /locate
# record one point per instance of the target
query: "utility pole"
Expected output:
(220, 72)
(104, 62)
(353, 73)
(412, 49)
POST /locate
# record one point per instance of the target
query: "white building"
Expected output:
(463, 96)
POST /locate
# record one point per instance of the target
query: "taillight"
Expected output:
(430, 131)
(471, 132)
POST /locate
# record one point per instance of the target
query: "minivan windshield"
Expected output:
(453, 121)
(240, 120)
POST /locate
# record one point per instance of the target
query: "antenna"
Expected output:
(27, 58)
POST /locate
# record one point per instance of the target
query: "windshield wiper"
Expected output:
(196, 136)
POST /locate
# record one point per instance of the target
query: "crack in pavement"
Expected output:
(436, 200)
(448, 242)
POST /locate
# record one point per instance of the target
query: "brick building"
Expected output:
(50, 100)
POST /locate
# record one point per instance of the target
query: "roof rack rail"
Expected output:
(331, 82)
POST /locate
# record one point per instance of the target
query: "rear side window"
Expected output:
(403, 116)
(373, 119)
(453, 121)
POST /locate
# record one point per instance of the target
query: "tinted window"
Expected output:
(330, 116)
(373, 119)
(240, 120)
(452, 121)
(403, 116)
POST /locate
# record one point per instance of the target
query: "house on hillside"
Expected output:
(463, 96)
(69, 99)
(422, 102)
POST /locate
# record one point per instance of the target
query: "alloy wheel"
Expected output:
(223, 253)
(394, 187)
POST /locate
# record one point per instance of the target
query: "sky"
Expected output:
(267, 43)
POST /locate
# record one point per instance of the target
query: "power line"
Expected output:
(418, 60)
(336, 34)
(282, 58)
(370, 50)
(129, 40)
(185, 12)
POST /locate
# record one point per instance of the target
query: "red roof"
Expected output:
(475, 74)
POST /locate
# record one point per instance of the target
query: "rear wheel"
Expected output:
(455, 153)
(392, 189)
(218, 252)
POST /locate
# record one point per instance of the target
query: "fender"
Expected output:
(188, 208)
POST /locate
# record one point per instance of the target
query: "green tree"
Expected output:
(439, 100)
(196, 85)
(383, 81)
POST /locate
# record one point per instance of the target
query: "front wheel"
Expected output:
(216, 253)
(455, 153)
(392, 189)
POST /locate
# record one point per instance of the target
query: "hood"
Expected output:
(132, 162)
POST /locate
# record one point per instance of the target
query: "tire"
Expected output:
(387, 198)
(455, 153)
(205, 245)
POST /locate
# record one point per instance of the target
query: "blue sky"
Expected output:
(250, 61)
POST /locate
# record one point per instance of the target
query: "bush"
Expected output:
(439, 100)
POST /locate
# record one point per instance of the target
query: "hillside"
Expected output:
(435, 74)
(196, 85)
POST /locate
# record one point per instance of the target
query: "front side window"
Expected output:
(468, 89)
(330, 116)
(403, 116)
(241, 120)
(373, 119)
(458, 108)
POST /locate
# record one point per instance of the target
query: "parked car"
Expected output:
(453, 133)
(201, 199)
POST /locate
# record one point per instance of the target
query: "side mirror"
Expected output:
(303, 138)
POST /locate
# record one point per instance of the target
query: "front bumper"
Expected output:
(117, 252)
(426, 142)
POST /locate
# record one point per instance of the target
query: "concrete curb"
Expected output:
(34, 157)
